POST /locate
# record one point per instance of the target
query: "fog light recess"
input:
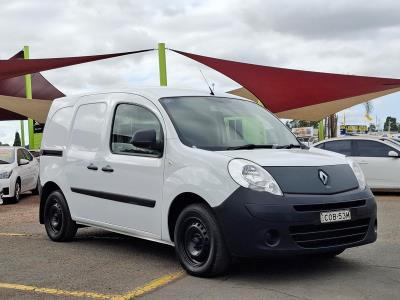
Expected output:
(272, 237)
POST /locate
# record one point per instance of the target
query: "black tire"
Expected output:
(199, 243)
(57, 218)
(17, 192)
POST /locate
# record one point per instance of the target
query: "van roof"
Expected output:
(152, 93)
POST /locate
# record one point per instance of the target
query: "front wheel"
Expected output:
(17, 193)
(57, 218)
(199, 242)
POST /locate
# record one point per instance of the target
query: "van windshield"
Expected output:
(6, 156)
(214, 123)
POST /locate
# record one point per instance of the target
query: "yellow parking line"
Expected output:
(151, 286)
(55, 292)
(140, 291)
(13, 234)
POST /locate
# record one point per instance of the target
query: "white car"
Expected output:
(215, 176)
(19, 172)
(378, 157)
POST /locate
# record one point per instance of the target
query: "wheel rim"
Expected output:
(196, 242)
(17, 191)
(55, 217)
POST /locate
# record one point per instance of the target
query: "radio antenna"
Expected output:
(205, 79)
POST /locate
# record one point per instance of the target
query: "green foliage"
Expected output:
(372, 128)
(301, 123)
(393, 124)
(17, 139)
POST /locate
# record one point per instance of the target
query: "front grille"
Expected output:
(328, 206)
(333, 234)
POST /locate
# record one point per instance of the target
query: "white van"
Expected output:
(217, 176)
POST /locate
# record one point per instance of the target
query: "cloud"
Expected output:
(349, 37)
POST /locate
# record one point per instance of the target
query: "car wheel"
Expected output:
(17, 192)
(57, 218)
(199, 243)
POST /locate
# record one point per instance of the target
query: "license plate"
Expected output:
(335, 216)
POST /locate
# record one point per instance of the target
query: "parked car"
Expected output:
(19, 173)
(215, 176)
(378, 158)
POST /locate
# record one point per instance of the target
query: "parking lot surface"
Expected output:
(103, 265)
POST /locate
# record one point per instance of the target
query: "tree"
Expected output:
(393, 124)
(372, 128)
(17, 139)
(301, 123)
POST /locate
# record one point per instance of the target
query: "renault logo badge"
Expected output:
(323, 177)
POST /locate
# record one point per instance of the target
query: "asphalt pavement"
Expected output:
(102, 265)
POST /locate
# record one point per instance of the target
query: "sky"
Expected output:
(341, 36)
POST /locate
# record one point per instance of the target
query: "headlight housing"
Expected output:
(253, 176)
(358, 173)
(5, 174)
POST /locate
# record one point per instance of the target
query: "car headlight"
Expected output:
(5, 174)
(252, 176)
(358, 173)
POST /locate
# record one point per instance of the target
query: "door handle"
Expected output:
(92, 167)
(107, 169)
(363, 162)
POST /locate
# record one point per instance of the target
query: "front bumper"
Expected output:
(5, 188)
(257, 223)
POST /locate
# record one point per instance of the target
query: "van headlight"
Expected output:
(252, 176)
(5, 174)
(358, 173)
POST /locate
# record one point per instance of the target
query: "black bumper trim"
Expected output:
(115, 197)
(246, 217)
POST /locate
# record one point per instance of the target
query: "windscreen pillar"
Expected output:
(162, 62)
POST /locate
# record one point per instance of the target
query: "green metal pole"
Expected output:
(321, 130)
(28, 94)
(22, 133)
(162, 62)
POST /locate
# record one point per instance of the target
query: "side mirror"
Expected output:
(145, 139)
(23, 161)
(393, 154)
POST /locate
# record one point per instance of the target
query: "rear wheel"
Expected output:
(57, 218)
(199, 243)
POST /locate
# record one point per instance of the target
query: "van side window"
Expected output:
(58, 128)
(87, 127)
(136, 131)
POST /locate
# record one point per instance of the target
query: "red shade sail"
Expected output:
(300, 94)
(12, 81)
(15, 87)
(12, 68)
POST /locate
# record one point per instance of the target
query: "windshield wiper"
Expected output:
(290, 146)
(3, 162)
(250, 146)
